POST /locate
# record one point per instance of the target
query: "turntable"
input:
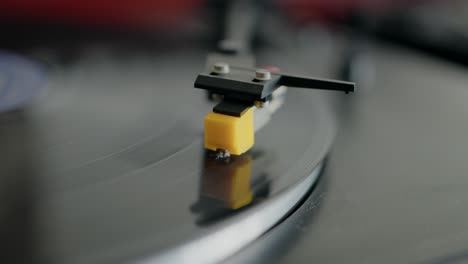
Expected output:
(116, 158)
(109, 154)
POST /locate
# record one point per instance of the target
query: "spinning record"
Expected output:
(117, 145)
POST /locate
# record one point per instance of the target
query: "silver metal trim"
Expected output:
(240, 231)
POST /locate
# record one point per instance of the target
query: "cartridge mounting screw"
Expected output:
(262, 75)
(221, 68)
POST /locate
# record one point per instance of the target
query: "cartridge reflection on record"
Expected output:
(228, 181)
(227, 186)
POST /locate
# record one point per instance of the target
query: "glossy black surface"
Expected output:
(394, 190)
(121, 172)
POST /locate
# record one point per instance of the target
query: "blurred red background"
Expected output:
(163, 12)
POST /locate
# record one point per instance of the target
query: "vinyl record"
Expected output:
(117, 143)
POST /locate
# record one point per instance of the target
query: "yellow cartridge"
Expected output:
(234, 134)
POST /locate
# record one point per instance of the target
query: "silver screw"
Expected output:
(221, 68)
(222, 154)
(262, 75)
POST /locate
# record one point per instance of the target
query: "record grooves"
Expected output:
(123, 171)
